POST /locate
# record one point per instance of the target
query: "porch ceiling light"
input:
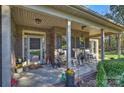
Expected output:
(37, 20)
(82, 27)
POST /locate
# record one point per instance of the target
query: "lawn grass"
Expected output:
(35, 52)
(111, 55)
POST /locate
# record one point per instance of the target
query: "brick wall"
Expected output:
(50, 44)
(18, 42)
(13, 38)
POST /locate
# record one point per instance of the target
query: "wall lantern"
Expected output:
(82, 27)
(37, 20)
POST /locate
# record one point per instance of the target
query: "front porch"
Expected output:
(53, 42)
(39, 36)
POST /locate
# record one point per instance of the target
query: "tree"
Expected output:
(116, 13)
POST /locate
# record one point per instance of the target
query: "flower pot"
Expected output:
(70, 78)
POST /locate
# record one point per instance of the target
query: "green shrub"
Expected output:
(113, 69)
(121, 81)
(101, 79)
(98, 66)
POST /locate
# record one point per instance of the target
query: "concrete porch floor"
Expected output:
(49, 77)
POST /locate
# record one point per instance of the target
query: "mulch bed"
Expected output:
(89, 79)
(112, 83)
(90, 83)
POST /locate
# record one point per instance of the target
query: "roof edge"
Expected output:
(89, 11)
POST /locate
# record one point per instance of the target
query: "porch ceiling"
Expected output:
(27, 18)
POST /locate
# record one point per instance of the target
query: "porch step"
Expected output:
(89, 76)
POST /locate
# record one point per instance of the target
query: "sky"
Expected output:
(101, 9)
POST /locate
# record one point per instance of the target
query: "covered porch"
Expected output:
(38, 34)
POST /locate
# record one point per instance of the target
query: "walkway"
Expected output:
(48, 77)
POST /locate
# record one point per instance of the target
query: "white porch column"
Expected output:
(119, 45)
(6, 46)
(68, 43)
(102, 45)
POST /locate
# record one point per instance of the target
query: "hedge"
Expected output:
(109, 70)
(113, 69)
(101, 78)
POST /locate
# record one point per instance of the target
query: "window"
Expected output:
(82, 42)
(77, 42)
(72, 42)
(34, 43)
(59, 40)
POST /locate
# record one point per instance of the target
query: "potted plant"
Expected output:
(19, 66)
(70, 77)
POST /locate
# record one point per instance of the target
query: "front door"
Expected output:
(33, 49)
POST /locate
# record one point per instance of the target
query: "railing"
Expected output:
(81, 57)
